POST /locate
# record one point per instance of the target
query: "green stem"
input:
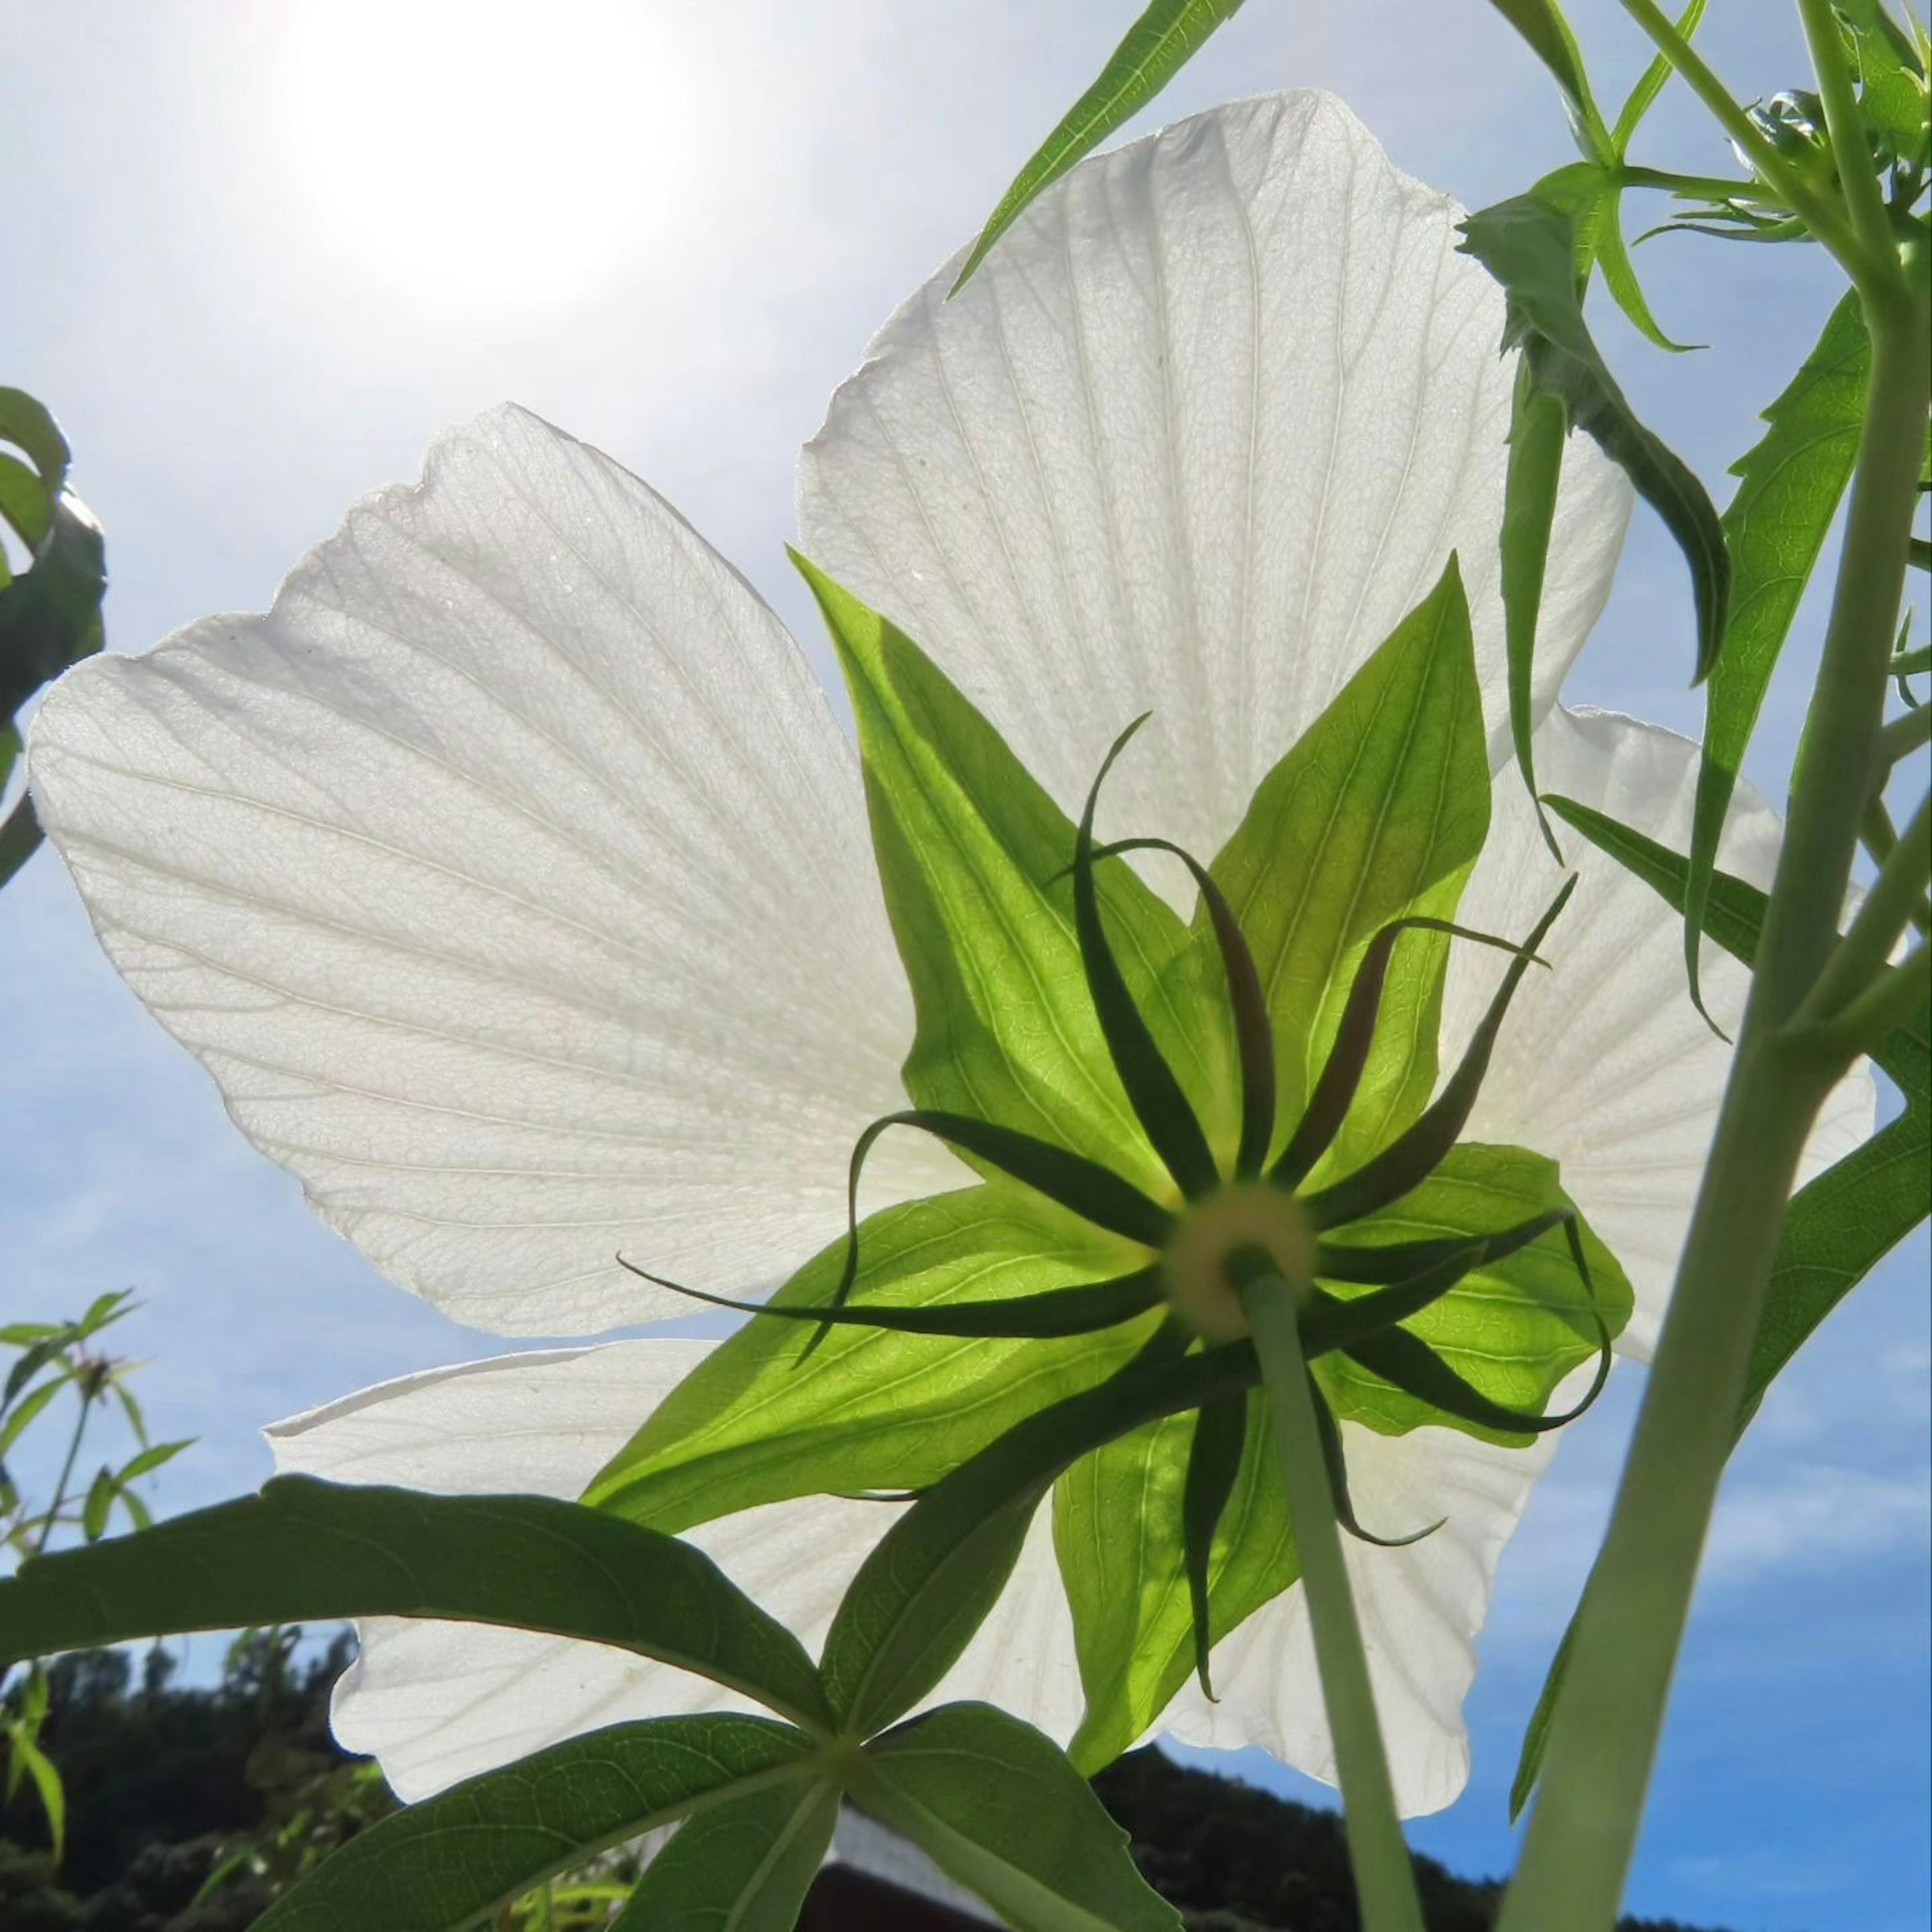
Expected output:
(1857, 179)
(1904, 736)
(1384, 1878)
(1892, 1000)
(1630, 1625)
(52, 1517)
(1860, 957)
(1703, 187)
(1819, 214)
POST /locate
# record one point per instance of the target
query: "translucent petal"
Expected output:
(1603, 1064)
(1203, 428)
(1420, 1607)
(512, 879)
(437, 1702)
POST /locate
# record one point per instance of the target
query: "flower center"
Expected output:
(1194, 1269)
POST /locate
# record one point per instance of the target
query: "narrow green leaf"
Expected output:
(1415, 1369)
(1529, 244)
(1620, 276)
(99, 1506)
(27, 1756)
(1213, 1467)
(1166, 37)
(1542, 25)
(448, 1864)
(303, 1550)
(1539, 427)
(741, 1866)
(147, 1461)
(973, 856)
(997, 1807)
(765, 1416)
(1788, 485)
(928, 1585)
(24, 504)
(21, 1417)
(1651, 83)
(1377, 814)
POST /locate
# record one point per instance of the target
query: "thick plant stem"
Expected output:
(1610, 1710)
(1385, 1878)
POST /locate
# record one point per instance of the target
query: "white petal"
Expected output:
(1420, 1609)
(1207, 424)
(1603, 1064)
(512, 880)
(439, 1702)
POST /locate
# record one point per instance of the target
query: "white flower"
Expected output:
(511, 876)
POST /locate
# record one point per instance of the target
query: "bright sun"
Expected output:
(480, 152)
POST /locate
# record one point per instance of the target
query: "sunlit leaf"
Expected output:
(446, 1863)
(1166, 37)
(768, 1415)
(994, 1804)
(972, 856)
(1377, 812)
(1542, 25)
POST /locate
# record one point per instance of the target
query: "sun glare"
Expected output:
(476, 153)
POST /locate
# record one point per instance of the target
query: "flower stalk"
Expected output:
(1610, 1712)
(1384, 1878)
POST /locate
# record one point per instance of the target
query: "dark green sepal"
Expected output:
(1214, 1463)
(1341, 1072)
(1254, 1034)
(1081, 1186)
(1078, 1310)
(1152, 1090)
(1405, 1162)
(1397, 1263)
(1330, 1433)
(1413, 1366)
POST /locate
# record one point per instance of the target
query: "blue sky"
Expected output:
(252, 295)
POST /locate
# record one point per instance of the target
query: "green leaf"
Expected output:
(1539, 427)
(27, 425)
(972, 855)
(1651, 83)
(743, 1866)
(448, 1863)
(27, 1756)
(146, 1461)
(996, 1807)
(769, 1415)
(1377, 813)
(1541, 24)
(1529, 244)
(303, 1550)
(50, 614)
(1158, 45)
(1120, 1533)
(24, 504)
(1788, 490)
(1512, 1328)
(1620, 275)
(99, 1506)
(927, 1587)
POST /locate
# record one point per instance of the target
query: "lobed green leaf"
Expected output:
(303, 1550)
(448, 1863)
(997, 1807)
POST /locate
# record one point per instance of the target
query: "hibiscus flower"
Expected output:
(511, 876)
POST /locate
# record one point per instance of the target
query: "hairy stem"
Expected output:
(1609, 1714)
(1385, 1878)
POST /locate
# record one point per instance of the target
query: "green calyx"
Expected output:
(1147, 1102)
